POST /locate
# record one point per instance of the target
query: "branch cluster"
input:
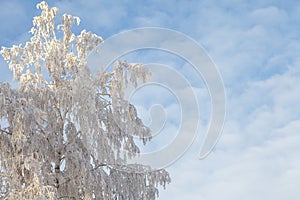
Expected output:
(65, 134)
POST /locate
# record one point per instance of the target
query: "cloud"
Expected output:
(267, 171)
(257, 156)
(269, 16)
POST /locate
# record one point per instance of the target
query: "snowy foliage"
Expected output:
(64, 133)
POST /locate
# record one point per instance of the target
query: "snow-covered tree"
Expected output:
(64, 133)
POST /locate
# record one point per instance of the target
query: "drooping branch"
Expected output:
(6, 132)
(3, 175)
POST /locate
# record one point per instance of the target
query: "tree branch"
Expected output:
(100, 165)
(66, 196)
(7, 132)
(3, 175)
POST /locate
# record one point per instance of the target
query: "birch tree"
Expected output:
(64, 133)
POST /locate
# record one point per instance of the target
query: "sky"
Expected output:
(255, 46)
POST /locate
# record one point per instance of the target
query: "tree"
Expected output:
(64, 133)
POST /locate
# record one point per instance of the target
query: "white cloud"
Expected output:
(257, 156)
(269, 16)
(268, 171)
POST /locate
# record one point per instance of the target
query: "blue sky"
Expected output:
(256, 47)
